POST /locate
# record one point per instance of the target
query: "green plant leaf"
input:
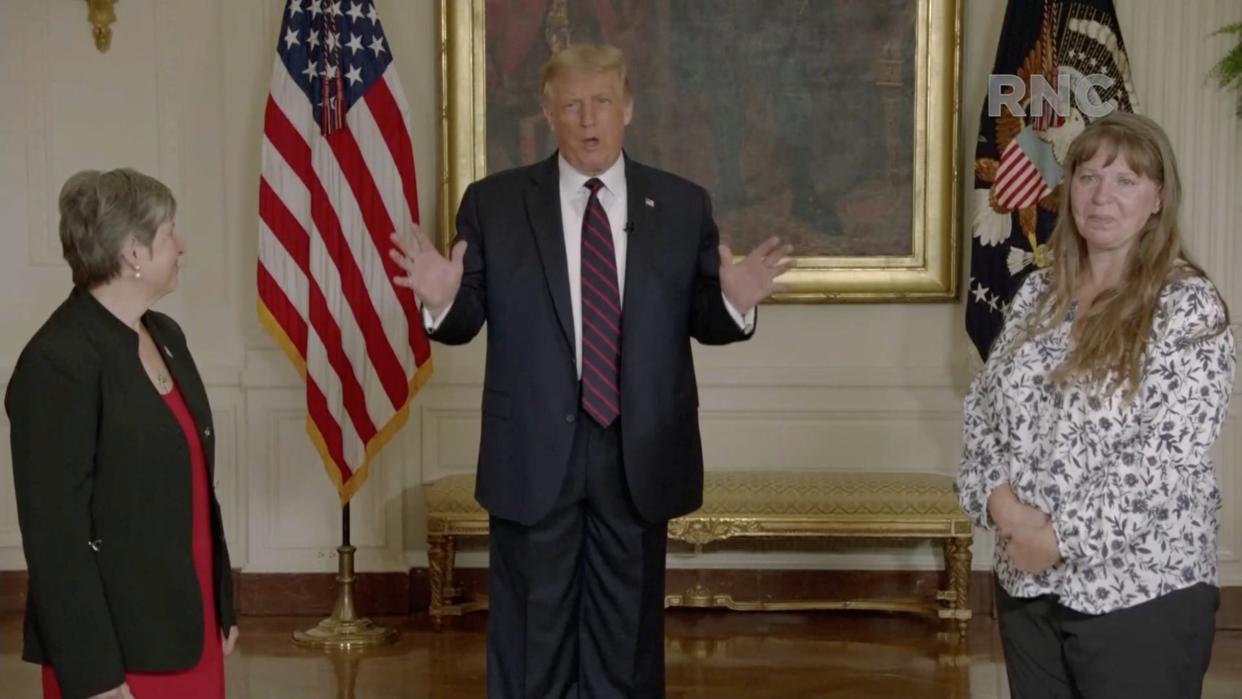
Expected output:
(1228, 72)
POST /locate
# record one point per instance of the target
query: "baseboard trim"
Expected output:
(314, 594)
(13, 590)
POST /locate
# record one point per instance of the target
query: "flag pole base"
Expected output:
(344, 630)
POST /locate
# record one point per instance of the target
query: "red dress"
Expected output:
(206, 679)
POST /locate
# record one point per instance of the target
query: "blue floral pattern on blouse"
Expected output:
(1128, 482)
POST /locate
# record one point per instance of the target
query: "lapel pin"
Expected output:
(650, 203)
(167, 351)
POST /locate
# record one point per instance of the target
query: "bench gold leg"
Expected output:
(957, 564)
(437, 571)
(451, 592)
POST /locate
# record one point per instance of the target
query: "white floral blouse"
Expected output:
(1128, 484)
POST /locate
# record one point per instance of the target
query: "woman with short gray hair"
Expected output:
(130, 593)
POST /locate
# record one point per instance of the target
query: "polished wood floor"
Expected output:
(711, 654)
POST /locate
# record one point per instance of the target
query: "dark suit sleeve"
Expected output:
(53, 416)
(469, 311)
(710, 322)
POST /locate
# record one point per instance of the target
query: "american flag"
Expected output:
(337, 180)
(1018, 156)
(1019, 182)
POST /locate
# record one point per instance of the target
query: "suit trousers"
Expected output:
(1158, 649)
(576, 601)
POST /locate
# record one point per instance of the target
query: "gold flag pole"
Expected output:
(345, 667)
(345, 630)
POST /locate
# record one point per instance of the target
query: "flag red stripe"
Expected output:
(329, 333)
(353, 288)
(288, 142)
(1017, 182)
(286, 227)
(325, 243)
(1006, 179)
(293, 149)
(376, 217)
(387, 115)
(317, 408)
(1030, 194)
(1023, 192)
(282, 310)
(1011, 169)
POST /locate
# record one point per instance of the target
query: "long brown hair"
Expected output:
(1112, 339)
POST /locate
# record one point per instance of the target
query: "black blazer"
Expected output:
(102, 474)
(517, 281)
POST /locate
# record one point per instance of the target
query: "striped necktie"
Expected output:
(601, 314)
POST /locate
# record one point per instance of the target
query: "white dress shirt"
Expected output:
(613, 197)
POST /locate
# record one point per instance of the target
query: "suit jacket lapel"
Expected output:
(190, 385)
(543, 206)
(642, 210)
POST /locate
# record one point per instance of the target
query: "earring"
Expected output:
(137, 272)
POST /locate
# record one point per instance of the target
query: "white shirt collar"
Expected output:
(573, 181)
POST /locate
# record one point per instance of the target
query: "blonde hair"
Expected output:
(98, 213)
(583, 59)
(1113, 336)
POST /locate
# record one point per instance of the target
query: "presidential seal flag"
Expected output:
(337, 180)
(1065, 65)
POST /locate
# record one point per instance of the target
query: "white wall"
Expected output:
(820, 387)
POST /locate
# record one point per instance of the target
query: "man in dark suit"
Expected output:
(593, 272)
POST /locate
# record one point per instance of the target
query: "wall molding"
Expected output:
(36, 46)
(43, 248)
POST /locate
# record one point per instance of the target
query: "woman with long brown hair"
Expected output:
(1087, 437)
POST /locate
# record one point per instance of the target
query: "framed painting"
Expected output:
(831, 123)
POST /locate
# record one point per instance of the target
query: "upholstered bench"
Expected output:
(763, 505)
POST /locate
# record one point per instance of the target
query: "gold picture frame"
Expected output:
(925, 90)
